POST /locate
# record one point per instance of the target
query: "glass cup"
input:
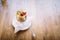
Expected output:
(21, 16)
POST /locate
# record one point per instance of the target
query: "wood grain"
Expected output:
(45, 15)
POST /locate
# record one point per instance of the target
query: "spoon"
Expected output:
(33, 33)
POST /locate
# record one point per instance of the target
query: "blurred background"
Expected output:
(45, 18)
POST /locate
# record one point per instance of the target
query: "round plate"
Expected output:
(21, 25)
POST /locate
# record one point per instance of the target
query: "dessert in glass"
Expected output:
(21, 16)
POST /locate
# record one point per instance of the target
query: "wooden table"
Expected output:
(45, 19)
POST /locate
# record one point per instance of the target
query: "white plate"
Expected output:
(21, 25)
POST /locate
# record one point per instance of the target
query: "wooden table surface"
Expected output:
(45, 16)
